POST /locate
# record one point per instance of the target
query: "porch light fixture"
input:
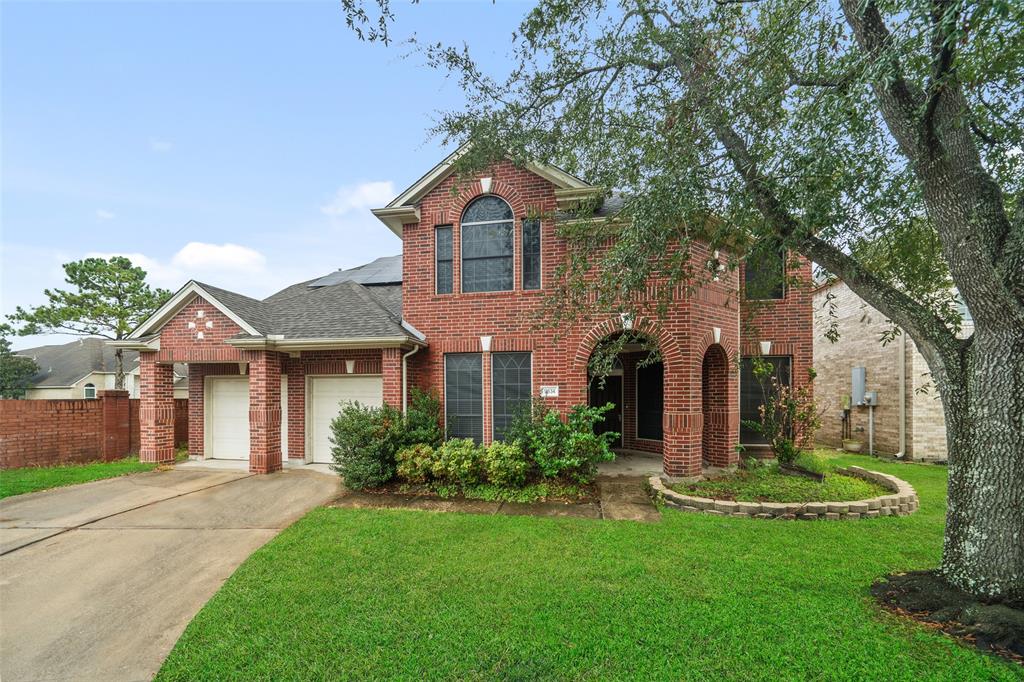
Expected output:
(766, 347)
(350, 366)
(627, 321)
(716, 334)
(485, 344)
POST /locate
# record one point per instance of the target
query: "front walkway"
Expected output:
(100, 579)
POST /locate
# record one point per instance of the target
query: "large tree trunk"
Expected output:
(983, 551)
(119, 369)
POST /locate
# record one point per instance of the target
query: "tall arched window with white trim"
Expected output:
(487, 235)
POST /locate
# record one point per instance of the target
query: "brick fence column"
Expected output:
(116, 424)
(391, 369)
(156, 410)
(264, 412)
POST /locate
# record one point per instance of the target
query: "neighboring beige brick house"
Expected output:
(861, 327)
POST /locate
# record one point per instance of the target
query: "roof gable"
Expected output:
(190, 291)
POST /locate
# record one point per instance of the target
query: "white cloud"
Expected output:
(214, 257)
(227, 265)
(159, 146)
(103, 214)
(360, 196)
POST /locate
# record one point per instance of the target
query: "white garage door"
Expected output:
(325, 396)
(227, 417)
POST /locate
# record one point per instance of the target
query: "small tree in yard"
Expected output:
(16, 371)
(805, 125)
(110, 298)
(788, 416)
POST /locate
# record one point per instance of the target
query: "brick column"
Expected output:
(264, 412)
(116, 424)
(156, 410)
(391, 369)
(682, 443)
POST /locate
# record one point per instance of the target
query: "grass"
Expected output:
(767, 484)
(370, 594)
(32, 479)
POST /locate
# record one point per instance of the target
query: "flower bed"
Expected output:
(901, 501)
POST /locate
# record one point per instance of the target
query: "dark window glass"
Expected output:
(511, 389)
(764, 275)
(650, 401)
(752, 396)
(443, 259)
(464, 395)
(487, 245)
(531, 254)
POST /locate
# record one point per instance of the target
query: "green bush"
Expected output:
(415, 463)
(423, 419)
(459, 460)
(364, 441)
(814, 463)
(565, 449)
(505, 464)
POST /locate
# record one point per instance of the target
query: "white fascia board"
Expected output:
(136, 344)
(396, 217)
(178, 301)
(324, 344)
(435, 175)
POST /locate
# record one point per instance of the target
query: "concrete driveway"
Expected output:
(98, 581)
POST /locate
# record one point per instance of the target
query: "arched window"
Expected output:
(90, 391)
(487, 239)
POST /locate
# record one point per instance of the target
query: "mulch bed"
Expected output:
(929, 599)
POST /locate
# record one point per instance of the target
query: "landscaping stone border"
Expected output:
(902, 502)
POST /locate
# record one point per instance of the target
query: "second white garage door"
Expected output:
(325, 395)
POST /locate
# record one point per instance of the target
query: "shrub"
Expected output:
(415, 463)
(459, 460)
(813, 462)
(364, 441)
(567, 448)
(789, 416)
(505, 464)
(423, 419)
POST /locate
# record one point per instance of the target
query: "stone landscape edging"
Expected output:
(902, 502)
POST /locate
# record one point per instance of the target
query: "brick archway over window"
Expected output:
(717, 439)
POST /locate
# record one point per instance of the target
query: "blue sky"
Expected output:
(241, 144)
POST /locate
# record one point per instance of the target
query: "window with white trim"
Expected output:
(90, 391)
(511, 389)
(486, 236)
(463, 395)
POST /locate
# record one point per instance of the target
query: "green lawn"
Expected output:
(768, 485)
(365, 594)
(31, 479)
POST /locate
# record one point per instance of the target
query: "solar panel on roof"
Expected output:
(386, 270)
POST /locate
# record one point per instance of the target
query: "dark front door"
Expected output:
(610, 392)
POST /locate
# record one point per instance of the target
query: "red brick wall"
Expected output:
(179, 343)
(49, 432)
(454, 322)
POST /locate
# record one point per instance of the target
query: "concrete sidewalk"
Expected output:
(97, 581)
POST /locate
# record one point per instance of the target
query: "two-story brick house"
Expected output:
(454, 314)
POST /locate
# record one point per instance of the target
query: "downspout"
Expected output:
(903, 397)
(405, 377)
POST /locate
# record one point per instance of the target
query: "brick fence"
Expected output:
(46, 432)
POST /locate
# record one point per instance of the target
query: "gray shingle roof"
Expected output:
(363, 302)
(65, 364)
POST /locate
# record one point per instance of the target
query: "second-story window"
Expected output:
(531, 253)
(764, 275)
(487, 245)
(443, 258)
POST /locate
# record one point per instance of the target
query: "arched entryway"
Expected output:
(627, 370)
(717, 440)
